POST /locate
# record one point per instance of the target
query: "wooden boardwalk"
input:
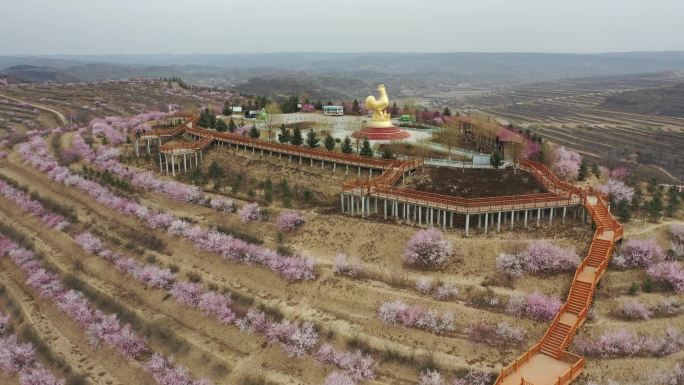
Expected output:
(548, 362)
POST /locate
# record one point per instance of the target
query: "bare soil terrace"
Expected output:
(473, 183)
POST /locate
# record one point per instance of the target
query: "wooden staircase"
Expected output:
(530, 368)
(554, 342)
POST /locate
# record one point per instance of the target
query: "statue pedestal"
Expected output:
(381, 131)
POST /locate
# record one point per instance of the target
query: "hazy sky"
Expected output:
(226, 26)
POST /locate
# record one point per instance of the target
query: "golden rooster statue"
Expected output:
(378, 105)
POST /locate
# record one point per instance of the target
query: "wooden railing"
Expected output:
(574, 371)
(602, 226)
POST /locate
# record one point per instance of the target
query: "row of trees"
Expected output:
(312, 140)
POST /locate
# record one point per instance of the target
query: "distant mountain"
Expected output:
(354, 74)
(35, 74)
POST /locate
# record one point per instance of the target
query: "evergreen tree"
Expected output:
(446, 112)
(215, 170)
(655, 207)
(394, 111)
(541, 156)
(231, 125)
(387, 153)
(227, 110)
(312, 139)
(254, 132)
(582, 172)
(596, 170)
(297, 138)
(318, 105)
(346, 146)
(674, 201)
(197, 177)
(221, 125)
(355, 106)
(207, 119)
(636, 199)
(329, 143)
(624, 211)
(366, 149)
(284, 136)
(496, 160)
(290, 104)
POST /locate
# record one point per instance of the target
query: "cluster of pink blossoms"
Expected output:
(428, 249)
(617, 190)
(626, 343)
(165, 373)
(501, 334)
(635, 310)
(358, 365)
(639, 253)
(416, 316)
(472, 377)
(540, 257)
(31, 206)
(79, 145)
(20, 358)
(566, 163)
(290, 221)
(670, 272)
(297, 339)
(348, 266)
(251, 212)
(536, 306)
(443, 292)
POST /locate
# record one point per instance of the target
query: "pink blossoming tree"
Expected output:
(416, 316)
(290, 221)
(617, 190)
(428, 249)
(639, 253)
(671, 273)
(348, 266)
(536, 306)
(566, 163)
(540, 257)
(250, 213)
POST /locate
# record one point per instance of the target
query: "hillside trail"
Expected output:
(59, 115)
(668, 174)
(653, 226)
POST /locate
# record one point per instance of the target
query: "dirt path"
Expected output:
(58, 114)
(650, 227)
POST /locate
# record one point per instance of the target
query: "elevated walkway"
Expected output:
(205, 138)
(548, 362)
(560, 195)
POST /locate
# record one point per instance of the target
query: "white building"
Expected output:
(333, 110)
